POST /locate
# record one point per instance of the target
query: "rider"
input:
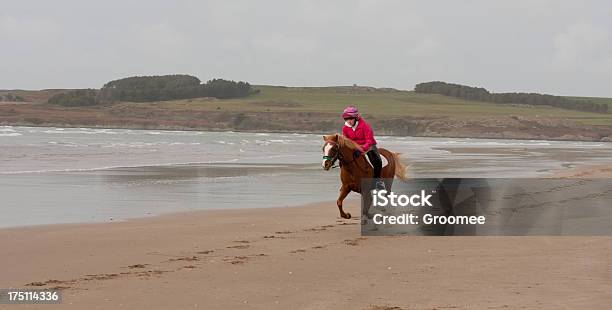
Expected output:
(358, 130)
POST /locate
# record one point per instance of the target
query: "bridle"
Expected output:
(338, 157)
(334, 158)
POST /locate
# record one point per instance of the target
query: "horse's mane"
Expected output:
(347, 142)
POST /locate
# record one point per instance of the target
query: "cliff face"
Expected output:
(155, 117)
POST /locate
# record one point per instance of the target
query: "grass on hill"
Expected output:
(377, 102)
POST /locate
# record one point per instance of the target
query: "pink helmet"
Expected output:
(350, 111)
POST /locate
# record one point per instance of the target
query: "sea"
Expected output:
(51, 175)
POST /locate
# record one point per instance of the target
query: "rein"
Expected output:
(339, 158)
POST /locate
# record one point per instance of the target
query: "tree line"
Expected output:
(11, 98)
(155, 88)
(481, 94)
(77, 97)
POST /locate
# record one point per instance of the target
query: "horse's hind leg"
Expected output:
(388, 184)
(366, 203)
(344, 191)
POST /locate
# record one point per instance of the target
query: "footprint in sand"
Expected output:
(385, 308)
(323, 227)
(145, 274)
(205, 252)
(297, 251)
(274, 237)
(63, 284)
(235, 260)
(102, 276)
(240, 247)
(52, 281)
(239, 260)
(187, 259)
(316, 229)
(354, 242)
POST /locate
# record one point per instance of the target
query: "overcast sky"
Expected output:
(557, 47)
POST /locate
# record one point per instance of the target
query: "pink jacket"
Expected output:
(362, 135)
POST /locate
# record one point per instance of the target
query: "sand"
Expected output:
(586, 171)
(298, 258)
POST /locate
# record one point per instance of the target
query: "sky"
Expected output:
(547, 46)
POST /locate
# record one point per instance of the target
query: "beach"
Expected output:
(302, 257)
(183, 220)
(586, 171)
(405, 155)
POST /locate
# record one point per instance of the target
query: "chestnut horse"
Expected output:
(352, 170)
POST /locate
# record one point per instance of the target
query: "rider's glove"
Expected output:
(357, 153)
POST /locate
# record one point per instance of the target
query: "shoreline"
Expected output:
(581, 171)
(179, 128)
(171, 214)
(586, 171)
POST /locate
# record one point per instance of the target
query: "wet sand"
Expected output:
(586, 171)
(299, 258)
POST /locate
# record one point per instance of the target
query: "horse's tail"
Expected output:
(400, 168)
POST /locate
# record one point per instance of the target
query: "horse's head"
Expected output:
(331, 151)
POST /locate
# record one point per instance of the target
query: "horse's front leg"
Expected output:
(344, 191)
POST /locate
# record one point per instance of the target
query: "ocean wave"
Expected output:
(281, 156)
(12, 134)
(228, 161)
(284, 141)
(225, 142)
(262, 142)
(81, 131)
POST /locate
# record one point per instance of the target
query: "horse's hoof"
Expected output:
(348, 215)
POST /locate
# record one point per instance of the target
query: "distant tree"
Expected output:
(481, 94)
(11, 98)
(169, 87)
(73, 98)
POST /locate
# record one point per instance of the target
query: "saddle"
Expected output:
(384, 160)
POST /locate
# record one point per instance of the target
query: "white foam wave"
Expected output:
(85, 131)
(280, 140)
(233, 160)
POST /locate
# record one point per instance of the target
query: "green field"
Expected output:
(379, 102)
